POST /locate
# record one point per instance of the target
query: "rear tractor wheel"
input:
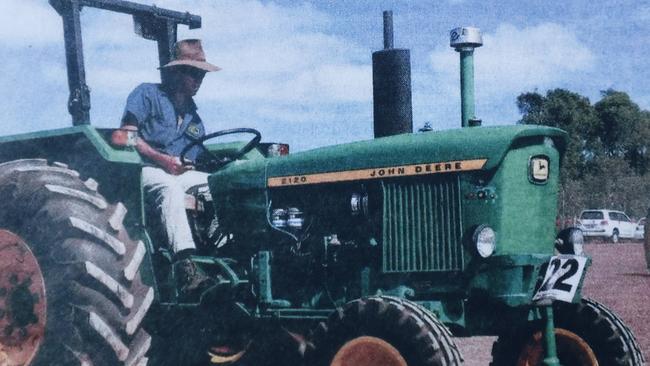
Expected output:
(70, 287)
(384, 331)
(587, 334)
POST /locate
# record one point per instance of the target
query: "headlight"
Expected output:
(570, 241)
(485, 240)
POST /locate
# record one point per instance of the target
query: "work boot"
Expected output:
(188, 276)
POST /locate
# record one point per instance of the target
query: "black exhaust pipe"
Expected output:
(391, 86)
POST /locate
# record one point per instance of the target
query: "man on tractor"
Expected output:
(166, 120)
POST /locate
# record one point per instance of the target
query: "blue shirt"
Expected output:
(157, 121)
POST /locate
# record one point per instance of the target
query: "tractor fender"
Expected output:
(87, 150)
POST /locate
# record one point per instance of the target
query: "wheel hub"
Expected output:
(22, 301)
(571, 350)
(225, 354)
(367, 351)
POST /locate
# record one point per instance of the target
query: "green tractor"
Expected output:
(369, 253)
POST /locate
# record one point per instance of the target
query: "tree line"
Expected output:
(607, 160)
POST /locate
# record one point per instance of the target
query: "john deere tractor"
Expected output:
(375, 252)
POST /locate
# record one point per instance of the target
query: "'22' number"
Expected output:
(572, 266)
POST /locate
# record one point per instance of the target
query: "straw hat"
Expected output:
(189, 52)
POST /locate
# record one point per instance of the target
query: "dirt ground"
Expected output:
(618, 278)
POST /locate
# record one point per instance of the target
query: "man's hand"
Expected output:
(170, 164)
(173, 165)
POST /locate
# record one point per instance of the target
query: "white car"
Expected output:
(607, 224)
(640, 227)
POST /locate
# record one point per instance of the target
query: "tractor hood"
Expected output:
(461, 149)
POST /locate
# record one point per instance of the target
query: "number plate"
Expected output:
(562, 278)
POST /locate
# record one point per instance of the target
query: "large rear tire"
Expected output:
(383, 330)
(94, 298)
(587, 334)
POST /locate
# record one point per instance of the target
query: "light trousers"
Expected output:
(167, 193)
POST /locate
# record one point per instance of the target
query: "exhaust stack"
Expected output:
(464, 40)
(391, 86)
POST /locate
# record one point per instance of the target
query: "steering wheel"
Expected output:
(210, 161)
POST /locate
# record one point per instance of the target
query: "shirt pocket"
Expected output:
(166, 122)
(160, 130)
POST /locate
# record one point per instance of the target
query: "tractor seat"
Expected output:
(197, 197)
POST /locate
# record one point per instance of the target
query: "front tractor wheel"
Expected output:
(587, 334)
(385, 331)
(70, 287)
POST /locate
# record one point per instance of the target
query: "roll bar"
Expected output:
(150, 22)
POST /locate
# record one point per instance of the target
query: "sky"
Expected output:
(301, 71)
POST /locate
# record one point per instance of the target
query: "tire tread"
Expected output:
(90, 264)
(612, 341)
(428, 339)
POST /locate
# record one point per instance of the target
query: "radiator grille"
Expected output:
(422, 225)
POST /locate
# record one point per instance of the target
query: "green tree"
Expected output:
(571, 112)
(624, 130)
(607, 162)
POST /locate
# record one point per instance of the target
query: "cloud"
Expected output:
(514, 60)
(27, 23)
(281, 65)
(281, 54)
(268, 53)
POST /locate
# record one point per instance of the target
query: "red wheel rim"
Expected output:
(569, 346)
(368, 351)
(226, 355)
(22, 301)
